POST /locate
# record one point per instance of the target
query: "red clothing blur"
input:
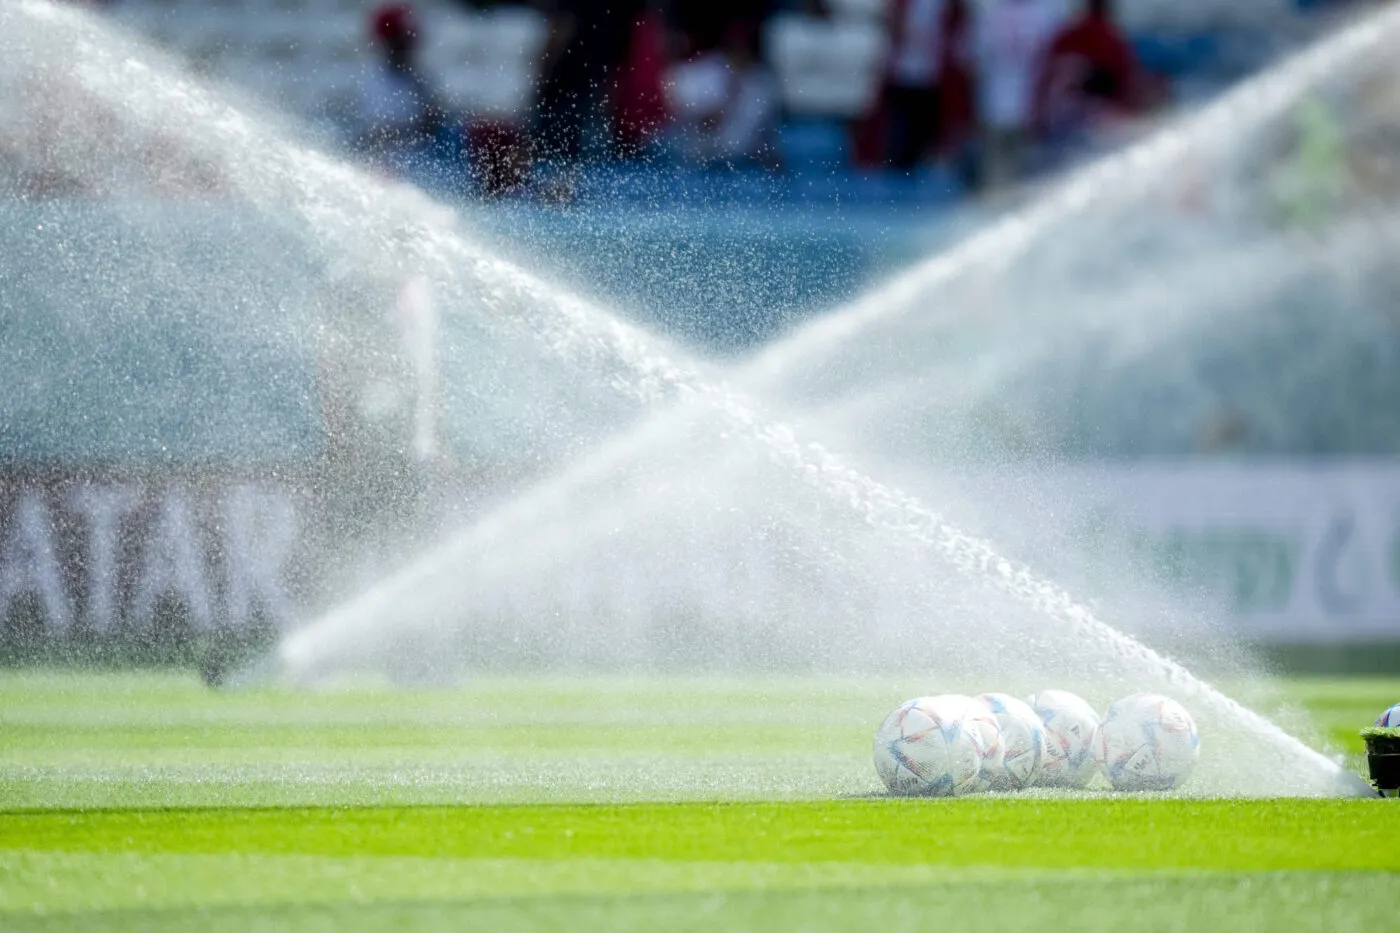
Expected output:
(392, 23)
(1089, 68)
(954, 76)
(957, 91)
(640, 102)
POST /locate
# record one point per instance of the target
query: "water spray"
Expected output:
(578, 331)
(338, 203)
(1253, 103)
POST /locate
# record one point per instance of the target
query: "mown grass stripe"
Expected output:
(1105, 833)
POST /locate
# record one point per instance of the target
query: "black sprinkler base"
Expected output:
(1383, 757)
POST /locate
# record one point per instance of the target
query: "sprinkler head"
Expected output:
(1383, 758)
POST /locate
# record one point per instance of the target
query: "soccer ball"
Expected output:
(986, 730)
(1071, 732)
(928, 747)
(1148, 742)
(1390, 719)
(1022, 743)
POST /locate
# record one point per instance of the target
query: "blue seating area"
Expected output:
(810, 185)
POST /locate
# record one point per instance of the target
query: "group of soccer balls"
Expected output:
(946, 746)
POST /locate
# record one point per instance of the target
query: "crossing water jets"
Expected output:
(1226, 126)
(823, 515)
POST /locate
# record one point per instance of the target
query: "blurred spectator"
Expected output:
(704, 25)
(399, 116)
(1012, 37)
(726, 103)
(588, 41)
(1090, 78)
(912, 88)
(928, 86)
(957, 83)
(700, 26)
(639, 112)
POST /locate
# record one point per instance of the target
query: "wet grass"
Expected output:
(144, 802)
(1012, 864)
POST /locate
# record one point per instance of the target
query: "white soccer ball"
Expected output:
(986, 732)
(1390, 719)
(1071, 734)
(1022, 743)
(1148, 742)
(928, 747)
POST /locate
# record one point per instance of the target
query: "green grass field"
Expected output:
(145, 802)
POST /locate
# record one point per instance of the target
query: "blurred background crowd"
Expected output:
(519, 99)
(694, 83)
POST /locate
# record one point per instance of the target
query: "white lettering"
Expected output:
(29, 562)
(103, 508)
(260, 529)
(173, 563)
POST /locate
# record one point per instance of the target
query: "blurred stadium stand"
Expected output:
(305, 55)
